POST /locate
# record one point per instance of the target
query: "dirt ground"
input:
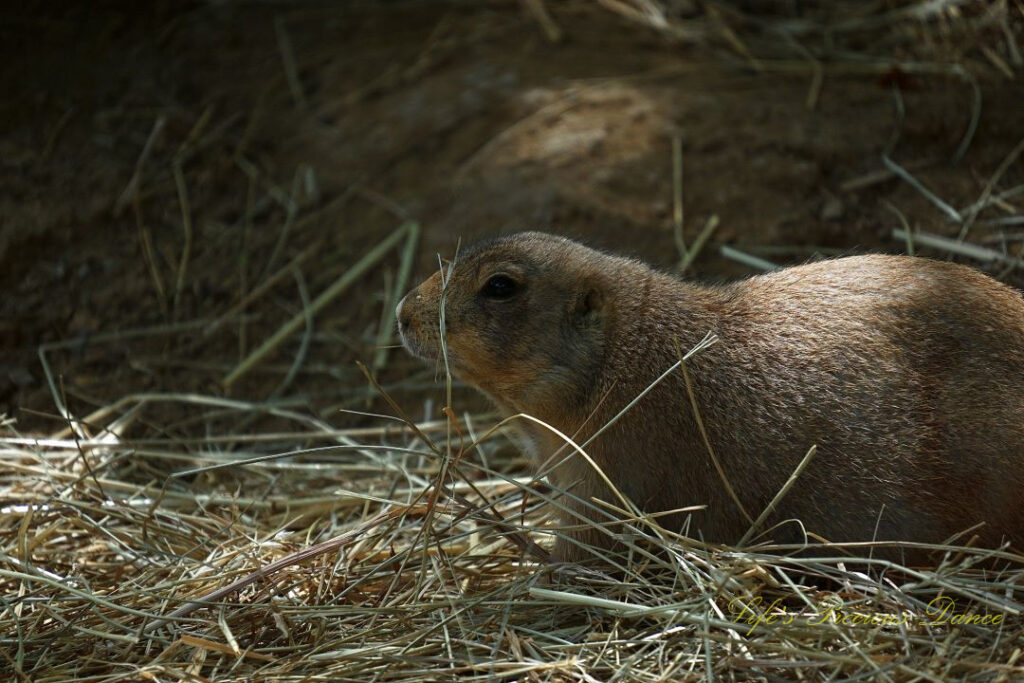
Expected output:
(158, 166)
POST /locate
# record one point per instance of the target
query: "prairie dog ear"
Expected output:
(589, 304)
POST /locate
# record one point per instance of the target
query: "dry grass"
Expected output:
(392, 553)
(948, 31)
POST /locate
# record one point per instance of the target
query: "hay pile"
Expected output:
(406, 553)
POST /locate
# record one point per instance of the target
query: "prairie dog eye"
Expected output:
(500, 286)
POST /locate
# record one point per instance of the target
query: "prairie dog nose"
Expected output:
(402, 318)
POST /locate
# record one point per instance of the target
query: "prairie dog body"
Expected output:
(908, 375)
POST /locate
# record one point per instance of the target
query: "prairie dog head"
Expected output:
(525, 320)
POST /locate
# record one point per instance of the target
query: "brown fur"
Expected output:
(907, 373)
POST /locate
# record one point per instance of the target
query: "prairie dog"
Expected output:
(906, 373)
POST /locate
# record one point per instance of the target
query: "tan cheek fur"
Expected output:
(473, 362)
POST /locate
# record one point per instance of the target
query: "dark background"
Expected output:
(276, 129)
